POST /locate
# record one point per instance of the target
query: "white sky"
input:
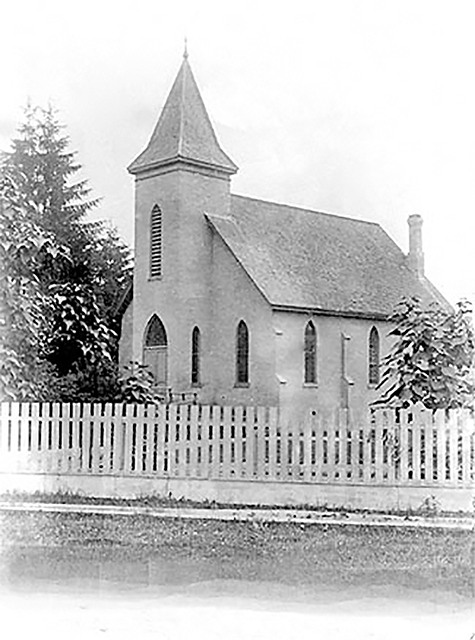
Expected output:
(359, 107)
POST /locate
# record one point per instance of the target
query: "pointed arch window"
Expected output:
(156, 242)
(242, 354)
(310, 354)
(195, 356)
(155, 350)
(373, 356)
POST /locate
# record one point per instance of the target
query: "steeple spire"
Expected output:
(185, 50)
(184, 133)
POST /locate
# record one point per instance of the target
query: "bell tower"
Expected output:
(180, 176)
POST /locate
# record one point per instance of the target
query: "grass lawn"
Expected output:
(153, 551)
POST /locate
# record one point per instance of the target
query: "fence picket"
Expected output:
(378, 431)
(248, 423)
(288, 453)
(272, 465)
(467, 431)
(306, 471)
(127, 426)
(315, 446)
(329, 448)
(159, 441)
(225, 444)
(214, 442)
(429, 447)
(417, 430)
(192, 442)
(453, 440)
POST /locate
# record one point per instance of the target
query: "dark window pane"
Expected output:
(310, 354)
(373, 357)
(195, 356)
(155, 335)
(242, 354)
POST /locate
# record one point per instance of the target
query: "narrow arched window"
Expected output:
(155, 334)
(155, 350)
(242, 354)
(195, 356)
(156, 242)
(373, 356)
(310, 354)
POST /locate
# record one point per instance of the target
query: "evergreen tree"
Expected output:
(82, 282)
(24, 308)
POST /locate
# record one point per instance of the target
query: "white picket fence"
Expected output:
(409, 448)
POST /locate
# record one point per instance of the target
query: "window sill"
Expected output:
(310, 385)
(372, 385)
(154, 278)
(241, 385)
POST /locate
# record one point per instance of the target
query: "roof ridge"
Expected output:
(304, 210)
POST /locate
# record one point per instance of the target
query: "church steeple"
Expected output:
(184, 133)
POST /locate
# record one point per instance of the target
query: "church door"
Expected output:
(155, 350)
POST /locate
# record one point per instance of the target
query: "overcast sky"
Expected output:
(363, 108)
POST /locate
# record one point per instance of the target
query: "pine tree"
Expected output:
(24, 308)
(84, 281)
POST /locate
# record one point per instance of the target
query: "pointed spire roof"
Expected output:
(184, 132)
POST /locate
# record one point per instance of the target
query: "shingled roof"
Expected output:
(184, 131)
(306, 260)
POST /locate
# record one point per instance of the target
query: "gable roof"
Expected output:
(306, 260)
(184, 131)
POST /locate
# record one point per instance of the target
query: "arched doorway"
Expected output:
(155, 350)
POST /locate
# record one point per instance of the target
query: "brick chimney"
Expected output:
(416, 255)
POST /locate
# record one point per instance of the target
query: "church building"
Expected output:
(242, 301)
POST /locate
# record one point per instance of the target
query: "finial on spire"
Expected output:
(185, 51)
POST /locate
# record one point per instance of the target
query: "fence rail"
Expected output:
(406, 448)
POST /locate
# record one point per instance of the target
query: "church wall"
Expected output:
(235, 298)
(126, 338)
(296, 397)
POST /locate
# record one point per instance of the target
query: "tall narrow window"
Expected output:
(195, 356)
(156, 242)
(310, 354)
(373, 357)
(242, 354)
(155, 350)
